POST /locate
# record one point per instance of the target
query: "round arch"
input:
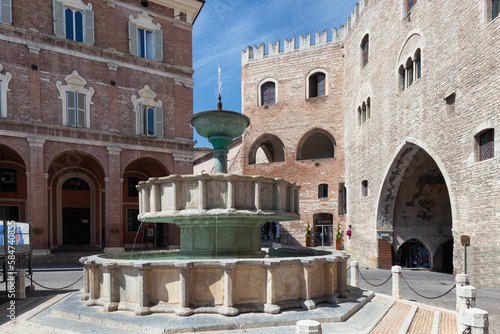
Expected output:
(267, 148)
(13, 185)
(316, 144)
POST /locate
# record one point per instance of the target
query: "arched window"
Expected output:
(317, 85)
(363, 112)
(364, 50)
(342, 199)
(323, 190)
(316, 146)
(267, 149)
(417, 65)
(409, 72)
(267, 93)
(368, 111)
(495, 9)
(401, 76)
(486, 144)
(360, 116)
(364, 188)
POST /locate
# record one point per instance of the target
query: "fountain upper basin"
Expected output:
(220, 215)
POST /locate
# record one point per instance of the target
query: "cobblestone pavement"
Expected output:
(431, 284)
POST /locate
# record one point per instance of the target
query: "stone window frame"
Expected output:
(75, 83)
(6, 12)
(364, 111)
(147, 99)
(4, 89)
(315, 72)
(145, 22)
(412, 66)
(477, 137)
(59, 12)
(259, 91)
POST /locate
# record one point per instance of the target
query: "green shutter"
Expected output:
(158, 45)
(6, 12)
(159, 122)
(88, 29)
(132, 38)
(59, 19)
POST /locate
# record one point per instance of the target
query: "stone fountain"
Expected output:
(220, 267)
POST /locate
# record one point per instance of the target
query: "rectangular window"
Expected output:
(1, 111)
(75, 107)
(495, 9)
(365, 52)
(8, 180)
(317, 85)
(486, 145)
(145, 40)
(132, 190)
(450, 104)
(74, 25)
(342, 209)
(133, 223)
(148, 116)
(9, 212)
(323, 191)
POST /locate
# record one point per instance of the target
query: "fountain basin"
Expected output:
(226, 287)
(220, 215)
(220, 122)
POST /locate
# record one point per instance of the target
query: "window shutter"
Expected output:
(1, 92)
(89, 26)
(6, 11)
(71, 108)
(138, 119)
(158, 44)
(132, 38)
(59, 19)
(81, 109)
(159, 122)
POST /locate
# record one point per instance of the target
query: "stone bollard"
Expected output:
(460, 281)
(464, 293)
(355, 274)
(20, 284)
(396, 282)
(308, 327)
(476, 319)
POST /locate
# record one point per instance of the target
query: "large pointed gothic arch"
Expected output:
(415, 202)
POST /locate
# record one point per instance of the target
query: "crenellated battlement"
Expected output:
(338, 36)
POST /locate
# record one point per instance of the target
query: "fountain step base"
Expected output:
(69, 314)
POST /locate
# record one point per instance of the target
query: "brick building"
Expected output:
(94, 96)
(406, 93)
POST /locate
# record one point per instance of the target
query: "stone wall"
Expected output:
(459, 47)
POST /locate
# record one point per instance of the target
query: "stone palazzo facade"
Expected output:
(95, 96)
(389, 127)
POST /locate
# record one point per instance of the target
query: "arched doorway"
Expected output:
(413, 254)
(13, 185)
(76, 211)
(414, 213)
(76, 200)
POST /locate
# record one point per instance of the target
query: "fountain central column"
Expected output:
(220, 144)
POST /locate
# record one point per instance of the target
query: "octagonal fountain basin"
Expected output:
(219, 215)
(223, 286)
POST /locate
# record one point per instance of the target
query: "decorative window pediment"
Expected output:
(4, 88)
(76, 100)
(148, 113)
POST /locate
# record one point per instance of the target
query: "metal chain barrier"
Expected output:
(444, 294)
(64, 287)
(387, 280)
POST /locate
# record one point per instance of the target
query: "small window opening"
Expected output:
(364, 188)
(450, 104)
(323, 191)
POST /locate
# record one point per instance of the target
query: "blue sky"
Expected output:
(225, 27)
